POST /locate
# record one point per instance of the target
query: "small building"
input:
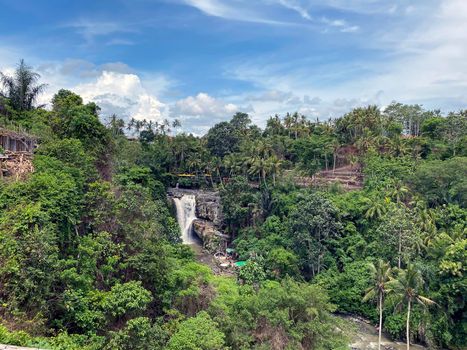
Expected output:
(14, 142)
(16, 153)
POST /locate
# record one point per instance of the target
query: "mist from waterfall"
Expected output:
(186, 213)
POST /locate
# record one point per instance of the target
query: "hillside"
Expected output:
(364, 214)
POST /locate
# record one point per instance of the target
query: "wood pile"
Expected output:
(16, 165)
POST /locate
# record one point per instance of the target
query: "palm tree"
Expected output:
(259, 166)
(398, 148)
(407, 286)
(131, 124)
(176, 124)
(381, 276)
(232, 163)
(216, 164)
(366, 141)
(275, 166)
(376, 208)
(398, 191)
(22, 89)
(288, 122)
(166, 124)
(116, 125)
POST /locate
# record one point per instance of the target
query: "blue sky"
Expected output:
(203, 60)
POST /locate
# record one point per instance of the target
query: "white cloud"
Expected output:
(122, 93)
(91, 29)
(113, 86)
(203, 105)
(431, 59)
(342, 25)
(199, 113)
(264, 12)
(297, 7)
(273, 96)
(422, 62)
(232, 11)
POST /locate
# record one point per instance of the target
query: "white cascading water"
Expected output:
(186, 213)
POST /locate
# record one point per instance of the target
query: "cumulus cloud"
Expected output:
(199, 113)
(122, 93)
(203, 105)
(113, 86)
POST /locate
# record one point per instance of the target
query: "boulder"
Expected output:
(213, 239)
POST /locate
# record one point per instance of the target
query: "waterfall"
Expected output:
(186, 213)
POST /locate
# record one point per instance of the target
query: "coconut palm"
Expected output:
(232, 163)
(176, 124)
(22, 89)
(407, 287)
(259, 166)
(381, 276)
(216, 164)
(116, 125)
(275, 166)
(398, 148)
(398, 191)
(376, 208)
(131, 124)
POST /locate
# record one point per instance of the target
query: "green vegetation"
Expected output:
(90, 254)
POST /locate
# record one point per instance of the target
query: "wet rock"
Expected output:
(213, 239)
(208, 204)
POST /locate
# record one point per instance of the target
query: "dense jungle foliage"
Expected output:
(90, 254)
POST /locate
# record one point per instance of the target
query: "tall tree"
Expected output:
(312, 224)
(222, 139)
(407, 287)
(381, 275)
(22, 88)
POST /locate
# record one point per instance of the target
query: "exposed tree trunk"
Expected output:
(408, 325)
(400, 249)
(380, 319)
(220, 177)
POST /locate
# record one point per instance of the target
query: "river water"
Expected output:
(366, 338)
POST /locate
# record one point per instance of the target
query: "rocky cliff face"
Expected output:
(213, 239)
(208, 204)
(209, 220)
(208, 207)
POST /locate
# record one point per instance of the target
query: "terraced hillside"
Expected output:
(349, 177)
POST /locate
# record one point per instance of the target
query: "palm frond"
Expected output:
(425, 301)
